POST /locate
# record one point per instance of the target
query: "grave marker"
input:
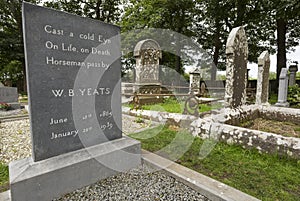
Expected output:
(236, 68)
(293, 71)
(283, 88)
(74, 78)
(262, 89)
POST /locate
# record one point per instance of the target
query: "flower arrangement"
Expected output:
(4, 106)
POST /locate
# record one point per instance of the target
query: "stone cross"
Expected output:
(236, 68)
(195, 81)
(283, 89)
(262, 89)
(293, 70)
(147, 53)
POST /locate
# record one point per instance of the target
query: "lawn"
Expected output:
(4, 183)
(176, 106)
(265, 176)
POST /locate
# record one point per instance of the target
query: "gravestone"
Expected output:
(283, 88)
(236, 68)
(10, 96)
(293, 71)
(195, 78)
(147, 54)
(73, 78)
(262, 88)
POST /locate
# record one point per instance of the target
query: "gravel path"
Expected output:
(141, 183)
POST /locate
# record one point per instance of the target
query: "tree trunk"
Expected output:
(216, 52)
(281, 45)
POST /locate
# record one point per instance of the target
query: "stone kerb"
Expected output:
(236, 68)
(262, 89)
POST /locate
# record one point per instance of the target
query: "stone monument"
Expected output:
(293, 70)
(236, 68)
(262, 88)
(10, 96)
(283, 89)
(147, 54)
(195, 78)
(73, 78)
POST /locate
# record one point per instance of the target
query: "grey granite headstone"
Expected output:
(236, 68)
(74, 83)
(73, 73)
(293, 70)
(283, 88)
(262, 89)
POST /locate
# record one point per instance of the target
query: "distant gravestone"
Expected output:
(283, 88)
(73, 76)
(293, 71)
(236, 68)
(147, 54)
(10, 96)
(262, 89)
(195, 78)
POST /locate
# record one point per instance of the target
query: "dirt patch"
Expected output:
(287, 129)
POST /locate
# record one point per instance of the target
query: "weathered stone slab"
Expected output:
(262, 88)
(73, 73)
(293, 71)
(8, 94)
(283, 89)
(236, 68)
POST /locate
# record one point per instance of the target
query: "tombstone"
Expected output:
(195, 78)
(293, 70)
(10, 96)
(73, 77)
(262, 88)
(283, 89)
(147, 54)
(236, 68)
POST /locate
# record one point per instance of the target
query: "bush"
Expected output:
(294, 95)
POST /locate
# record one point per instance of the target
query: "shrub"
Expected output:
(294, 95)
(4, 106)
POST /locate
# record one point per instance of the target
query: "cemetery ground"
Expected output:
(265, 176)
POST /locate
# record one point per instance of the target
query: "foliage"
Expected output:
(294, 95)
(272, 75)
(265, 176)
(298, 76)
(106, 11)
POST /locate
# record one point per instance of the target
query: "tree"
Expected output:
(11, 41)
(105, 10)
(165, 14)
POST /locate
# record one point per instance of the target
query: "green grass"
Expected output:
(4, 176)
(173, 106)
(265, 176)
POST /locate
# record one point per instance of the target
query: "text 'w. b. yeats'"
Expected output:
(73, 75)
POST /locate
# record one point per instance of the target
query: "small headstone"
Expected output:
(147, 54)
(195, 78)
(293, 71)
(262, 89)
(283, 88)
(1, 84)
(10, 96)
(236, 68)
